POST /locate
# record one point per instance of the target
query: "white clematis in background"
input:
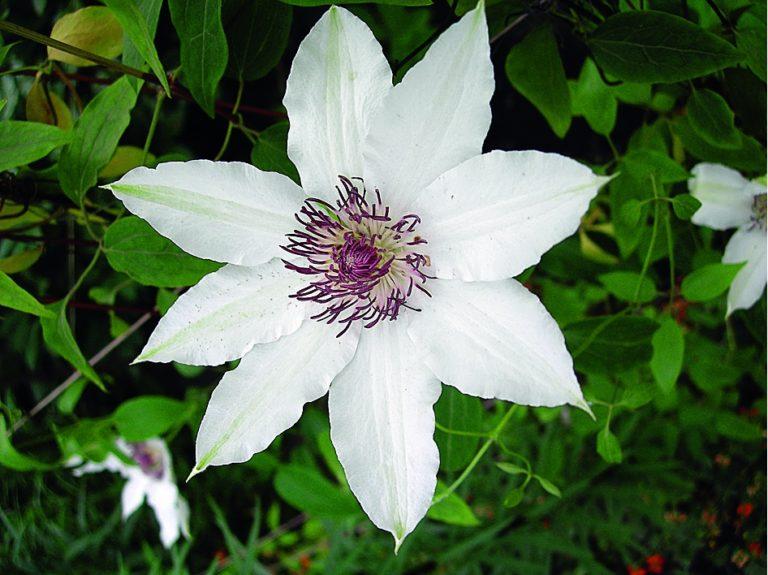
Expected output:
(728, 200)
(403, 237)
(150, 477)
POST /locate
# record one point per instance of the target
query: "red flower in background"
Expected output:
(655, 563)
(632, 570)
(745, 510)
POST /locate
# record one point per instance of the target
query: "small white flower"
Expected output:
(728, 200)
(150, 477)
(405, 238)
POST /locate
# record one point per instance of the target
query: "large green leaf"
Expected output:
(712, 119)
(25, 142)
(149, 416)
(749, 156)
(668, 352)
(134, 248)
(136, 27)
(16, 297)
(535, 69)
(457, 412)
(452, 510)
(270, 152)
(593, 99)
(96, 135)
(203, 47)
(651, 46)
(257, 33)
(709, 281)
(610, 344)
(308, 491)
(58, 336)
(629, 286)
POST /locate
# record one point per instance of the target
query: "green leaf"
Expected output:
(150, 12)
(149, 416)
(644, 163)
(308, 491)
(685, 205)
(749, 157)
(631, 212)
(95, 138)
(58, 336)
(514, 497)
(203, 47)
(548, 486)
(750, 38)
(15, 297)
(651, 46)
(270, 152)
(257, 34)
(712, 119)
(25, 142)
(452, 510)
(4, 50)
(134, 248)
(668, 352)
(624, 285)
(12, 459)
(511, 468)
(20, 260)
(737, 428)
(137, 28)
(709, 281)
(535, 70)
(308, 3)
(459, 412)
(593, 99)
(610, 344)
(94, 29)
(608, 446)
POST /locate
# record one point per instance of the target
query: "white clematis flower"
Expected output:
(404, 236)
(728, 200)
(150, 477)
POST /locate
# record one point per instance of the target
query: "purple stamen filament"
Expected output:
(366, 265)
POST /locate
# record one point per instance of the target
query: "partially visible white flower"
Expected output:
(150, 477)
(728, 200)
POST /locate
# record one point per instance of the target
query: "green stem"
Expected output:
(445, 429)
(492, 437)
(671, 255)
(152, 127)
(230, 125)
(649, 254)
(83, 275)
(74, 50)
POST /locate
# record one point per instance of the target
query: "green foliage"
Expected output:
(134, 248)
(651, 46)
(534, 68)
(675, 447)
(203, 47)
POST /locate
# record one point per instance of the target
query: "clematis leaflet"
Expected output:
(386, 273)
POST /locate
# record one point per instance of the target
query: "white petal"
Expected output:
(265, 394)
(163, 497)
(437, 117)
(496, 214)
(111, 463)
(226, 314)
(338, 78)
(748, 245)
(495, 339)
(133, 494)
(725, 196)
(224, 211)
(382, 425)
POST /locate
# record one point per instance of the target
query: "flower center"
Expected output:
(365, 262)
(759, 210)
(150, 460)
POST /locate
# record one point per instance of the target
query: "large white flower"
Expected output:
(150, 477)
(728, 200)
(404, 238)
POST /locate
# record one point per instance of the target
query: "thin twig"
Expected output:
(507, 29)
(62, 387)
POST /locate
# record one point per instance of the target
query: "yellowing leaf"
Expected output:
(48, 109)
(21, 261)
(125, 159)
(94, 29)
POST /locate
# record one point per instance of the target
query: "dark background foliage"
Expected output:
(670, 478)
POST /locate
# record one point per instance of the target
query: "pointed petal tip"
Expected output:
(584, 406)
(398, 542)
(195, 471)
